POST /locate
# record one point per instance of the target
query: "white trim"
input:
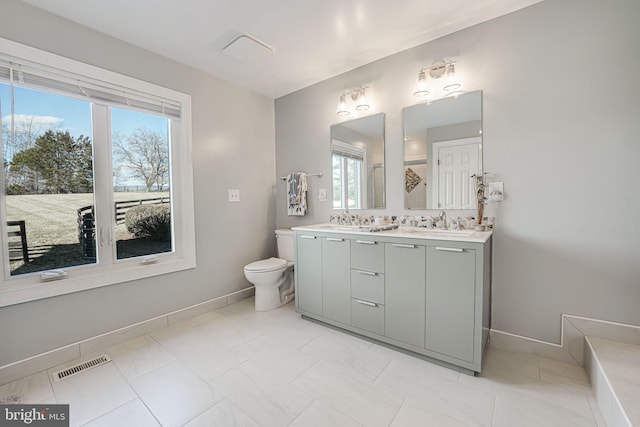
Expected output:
(512, 342)
(82, 348)
(56, 61)
(606, 322)
(28, 287)
(616, 331)
(586, 326)
(533, 340)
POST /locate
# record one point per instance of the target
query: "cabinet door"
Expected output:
(336, 279)
(404, 299)
(367, 286)
(309, 273)
(368, 255)
(451, 275)
(367, 316)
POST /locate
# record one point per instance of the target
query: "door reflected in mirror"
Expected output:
(357, 159)
(442, 150)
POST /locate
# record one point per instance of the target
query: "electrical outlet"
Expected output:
(496, 191)
(322, 194)
(234, 195)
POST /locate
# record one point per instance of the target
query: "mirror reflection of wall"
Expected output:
(442, 149)
(357, 156)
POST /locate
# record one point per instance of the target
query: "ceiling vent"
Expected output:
(248, 48)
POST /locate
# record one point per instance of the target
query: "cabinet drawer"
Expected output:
(367, 285)
(367, 255)
(367, 315)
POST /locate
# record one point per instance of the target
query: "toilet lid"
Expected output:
(270, 264)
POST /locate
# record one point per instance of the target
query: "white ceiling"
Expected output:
(313, 39)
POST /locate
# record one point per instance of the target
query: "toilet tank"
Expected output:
(285, 239)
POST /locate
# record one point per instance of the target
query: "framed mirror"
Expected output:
(357, 159)
(442, 150)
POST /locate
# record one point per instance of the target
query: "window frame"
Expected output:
(345, 152)
(29, 287)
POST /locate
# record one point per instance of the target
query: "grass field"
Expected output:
(52, 228)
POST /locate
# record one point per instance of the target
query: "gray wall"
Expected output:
(233, 147)
(561, 128)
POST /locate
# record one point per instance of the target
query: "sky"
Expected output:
(44, 111)
(49, 111)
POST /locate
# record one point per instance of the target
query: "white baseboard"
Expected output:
(31, 365)
(512, 342)
(571, 347)
(575, 328)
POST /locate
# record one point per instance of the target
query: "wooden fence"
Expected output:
(86, 221)
(120, 208)
(14, 247)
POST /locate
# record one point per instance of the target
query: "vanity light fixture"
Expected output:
(451, 83)
(342, 106)
(358, 96)
(421, 87)
(437, 70)
(361, 102)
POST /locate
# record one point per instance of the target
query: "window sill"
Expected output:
(30, 288)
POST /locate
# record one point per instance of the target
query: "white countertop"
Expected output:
(404, 232)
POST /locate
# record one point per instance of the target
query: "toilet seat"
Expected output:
(266, 265)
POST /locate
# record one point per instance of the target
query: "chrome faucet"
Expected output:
(345, 217)
(443, 220)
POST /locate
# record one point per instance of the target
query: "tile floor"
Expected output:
(238, 367)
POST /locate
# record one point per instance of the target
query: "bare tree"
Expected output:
(146, 154)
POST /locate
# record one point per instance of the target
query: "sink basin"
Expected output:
(436, 232)
(337, 227)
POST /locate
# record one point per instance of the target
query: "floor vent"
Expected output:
(83, 366)
(11, 399)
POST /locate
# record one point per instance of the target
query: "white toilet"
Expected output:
(273, 277)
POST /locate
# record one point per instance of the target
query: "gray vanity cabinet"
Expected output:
(336, 279)
(309, 273)
(451, 300)
(429, 296)
(404, 295)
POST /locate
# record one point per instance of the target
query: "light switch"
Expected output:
(234, 195)
(322, 194)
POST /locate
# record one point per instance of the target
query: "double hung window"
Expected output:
(97, 177)
(348, 175)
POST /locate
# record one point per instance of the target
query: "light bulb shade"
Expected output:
(421, 87)
(342, 106)
(452, 83)
(362, 103)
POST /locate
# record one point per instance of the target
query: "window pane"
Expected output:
(141, 183)
(338, 192)
(48, 171)
(353, 183)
